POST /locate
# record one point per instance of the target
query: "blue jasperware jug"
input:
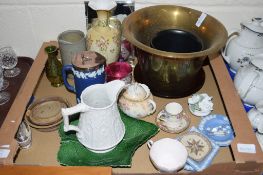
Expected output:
(88, 68)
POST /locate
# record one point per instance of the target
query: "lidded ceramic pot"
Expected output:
(249, 81)
(103, 37)
(242, 45)
(136, 101)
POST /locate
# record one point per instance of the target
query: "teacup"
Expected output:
(167, 155)
(172, 118)
(173, 110)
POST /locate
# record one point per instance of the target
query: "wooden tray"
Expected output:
(223, 88)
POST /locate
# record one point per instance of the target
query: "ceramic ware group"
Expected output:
(105, 87)
(243, 53)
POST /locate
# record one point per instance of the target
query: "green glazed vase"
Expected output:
(53, 67)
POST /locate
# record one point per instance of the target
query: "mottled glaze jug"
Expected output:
(100, 127)
(103, 37)
(242, 45)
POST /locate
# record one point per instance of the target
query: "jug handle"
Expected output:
(223, 51)
(65, 69)
(154, 106)
(66, 112)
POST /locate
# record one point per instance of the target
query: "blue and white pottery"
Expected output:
(88, 68)
(217, 128)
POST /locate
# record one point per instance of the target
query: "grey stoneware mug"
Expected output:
(70, 43)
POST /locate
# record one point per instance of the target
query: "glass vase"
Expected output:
(53, 67)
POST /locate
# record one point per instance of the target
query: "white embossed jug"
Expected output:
(100, 127)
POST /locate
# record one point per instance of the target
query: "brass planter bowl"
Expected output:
(170, 74)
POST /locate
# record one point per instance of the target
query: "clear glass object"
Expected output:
(9, 61)
(4, 96)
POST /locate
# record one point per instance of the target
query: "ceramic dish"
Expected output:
(198, 146)
(217, 128)
(172, 125)
(45, 114)
(201, 150)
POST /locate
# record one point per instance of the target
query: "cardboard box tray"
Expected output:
(46, 144)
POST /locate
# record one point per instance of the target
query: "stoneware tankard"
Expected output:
(70, 43)
(88, 68)
(100, 127)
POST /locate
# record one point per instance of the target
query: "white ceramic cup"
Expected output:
(173, 109)
(167, 155)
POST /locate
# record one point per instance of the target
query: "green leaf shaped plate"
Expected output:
(73, 153)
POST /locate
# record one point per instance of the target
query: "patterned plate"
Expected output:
(201, 150)
(217, 128)
(198, 147)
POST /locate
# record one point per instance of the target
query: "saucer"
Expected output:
(217, 128)
(172, 124)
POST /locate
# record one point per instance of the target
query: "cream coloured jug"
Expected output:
(100, 127)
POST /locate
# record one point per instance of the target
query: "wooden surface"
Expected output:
(45, 145)
(51, 170)
(15, 114)
(244, 133)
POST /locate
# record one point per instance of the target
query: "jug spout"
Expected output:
(114, 88)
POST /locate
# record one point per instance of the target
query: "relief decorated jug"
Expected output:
(100, 127)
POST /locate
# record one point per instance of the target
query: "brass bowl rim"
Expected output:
(173, 55)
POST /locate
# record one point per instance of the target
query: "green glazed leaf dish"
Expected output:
(73, 153)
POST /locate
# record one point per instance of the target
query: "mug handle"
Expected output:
(223, 51)
(66, 112)
(65, 69)
(154, 106)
